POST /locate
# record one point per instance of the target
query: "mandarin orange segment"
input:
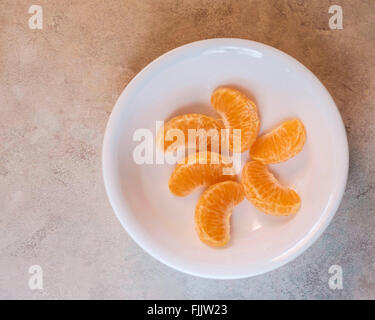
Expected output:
(183, 123)
(213, 212)
(266, 193)
(280, 144)
(200, 169)
(237, 112)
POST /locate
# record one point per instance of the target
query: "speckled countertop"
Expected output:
(57, 89)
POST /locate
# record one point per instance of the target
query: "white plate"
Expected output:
(182, 81)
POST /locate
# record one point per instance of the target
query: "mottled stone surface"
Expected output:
(57, 88)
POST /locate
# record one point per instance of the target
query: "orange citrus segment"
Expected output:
(200, 169)
(213, 211)
(281, 144)
(183, 123)
(237, 112)
(266, 193)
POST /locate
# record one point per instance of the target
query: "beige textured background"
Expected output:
(57, 88)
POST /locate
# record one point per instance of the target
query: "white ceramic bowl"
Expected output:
(181, 81)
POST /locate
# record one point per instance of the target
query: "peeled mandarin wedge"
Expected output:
(213, 212)
(200, 169)
(281, 144)
(182, 124)
(266, 193)
(237, 112)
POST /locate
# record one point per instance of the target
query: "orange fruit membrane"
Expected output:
(200, 169)
(240, 113)
(175, 132)
(213, 212)
(266, 193)
(280, 144)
